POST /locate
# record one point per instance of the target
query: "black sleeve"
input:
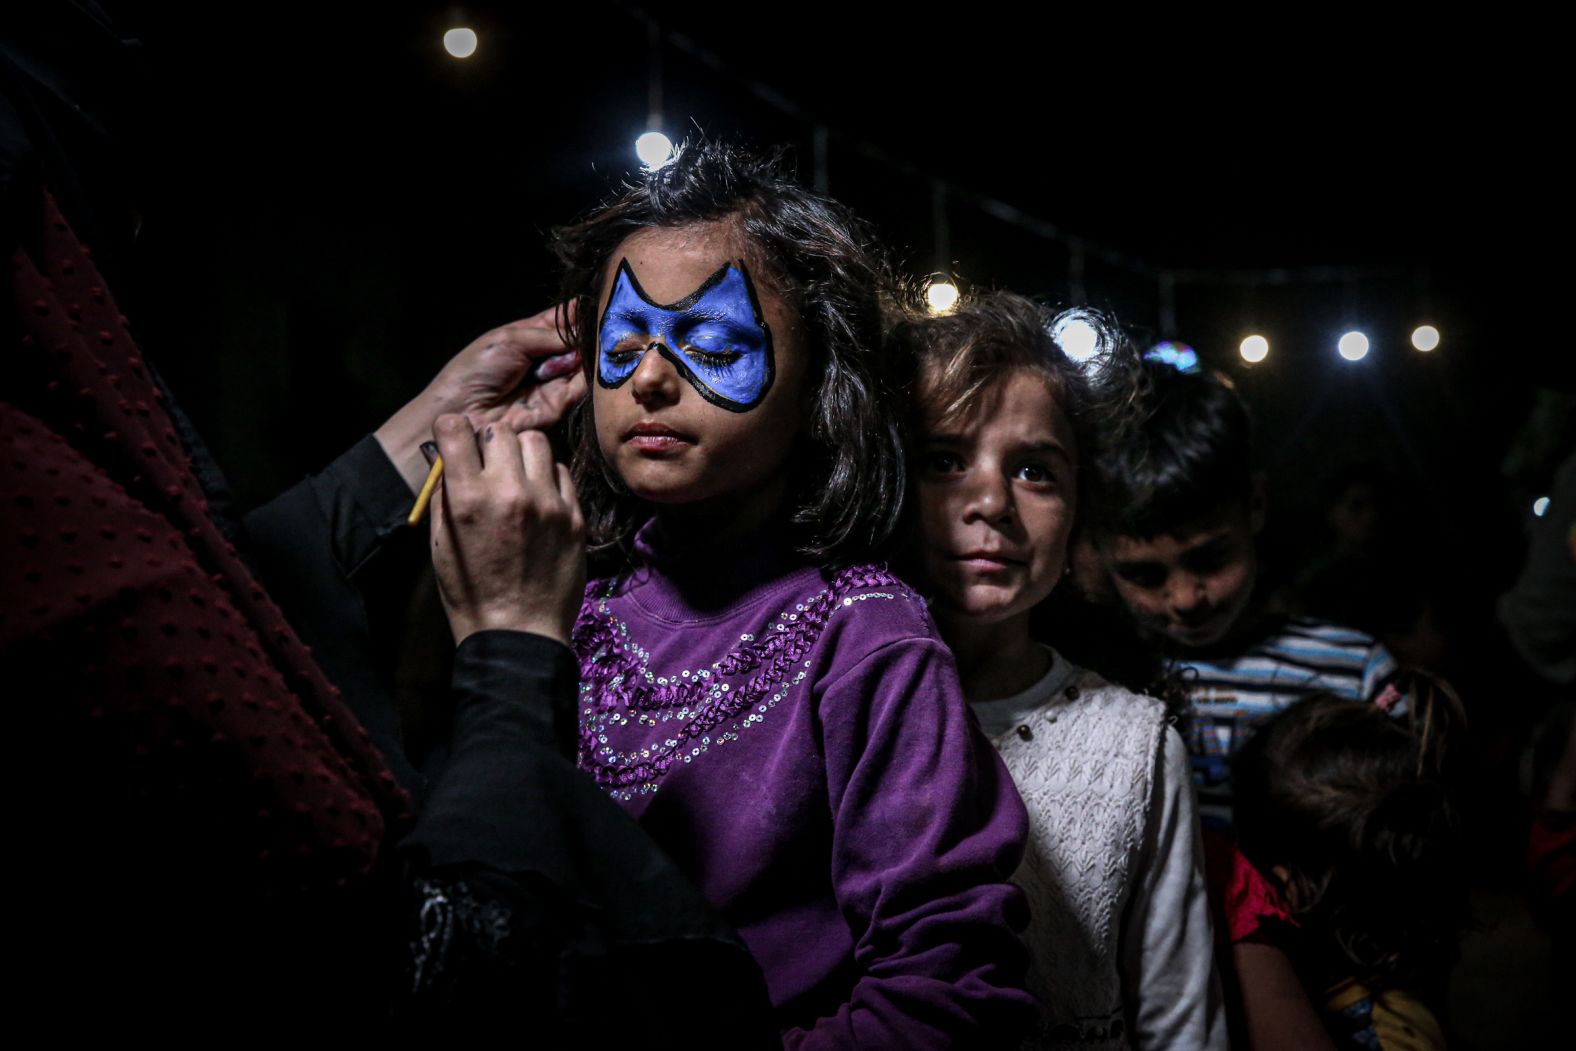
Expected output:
(528, 894)
(535, 899)
(495, 802)
(332, 550)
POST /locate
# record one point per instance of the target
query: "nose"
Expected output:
(1186, 594)
(987, 498)
(655, 381)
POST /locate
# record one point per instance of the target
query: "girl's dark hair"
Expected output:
(813, 252)
(1191, 454)
(948, 364)
(1357, 805)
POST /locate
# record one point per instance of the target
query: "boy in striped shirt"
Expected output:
(1185, 504)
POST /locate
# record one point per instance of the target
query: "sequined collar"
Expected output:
(679, 714)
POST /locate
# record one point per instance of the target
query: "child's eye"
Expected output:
(1141, 574)
(714, 359)
(1209, 558)
(624, 352)
(1036, 474)
(939, 461)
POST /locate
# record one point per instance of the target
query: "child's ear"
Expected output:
(1256, 503)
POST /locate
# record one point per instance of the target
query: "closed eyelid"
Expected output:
(722, 329)
(715, 337)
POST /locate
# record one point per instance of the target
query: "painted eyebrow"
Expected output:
(640, 314)
(625, 315)
(721, 323)
(698, 313)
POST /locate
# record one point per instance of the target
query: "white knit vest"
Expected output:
(1085, 764)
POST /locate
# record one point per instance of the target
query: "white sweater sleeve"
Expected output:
(1172, 994)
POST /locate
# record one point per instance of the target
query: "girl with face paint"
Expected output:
(771, 705)
(1119, 934)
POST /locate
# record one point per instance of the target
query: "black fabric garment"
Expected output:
(328, 548)
(529, 894)
(539, 902)
(149, 835)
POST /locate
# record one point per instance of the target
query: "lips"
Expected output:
(986, 560)
(652, 437)
(1197, 632)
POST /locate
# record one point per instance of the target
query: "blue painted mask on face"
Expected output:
(715, 337)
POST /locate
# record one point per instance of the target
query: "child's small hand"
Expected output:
(521, 375)
(508, 541)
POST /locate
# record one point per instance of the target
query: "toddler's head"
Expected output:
(1349, 808)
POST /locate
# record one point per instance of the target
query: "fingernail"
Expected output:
(429, 450)
(487, 433)
(556, 366)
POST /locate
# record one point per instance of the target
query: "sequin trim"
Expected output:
(694, 709)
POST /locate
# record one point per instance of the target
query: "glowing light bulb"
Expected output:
(1540, 506)
(1353, 346)
(654, 149)
(1425, 337)
(941, 296)
(1078, 339)
(1254, 349)
(460, 42)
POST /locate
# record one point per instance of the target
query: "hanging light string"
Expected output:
(1080, 249)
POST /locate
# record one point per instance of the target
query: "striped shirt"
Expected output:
(1231, 695)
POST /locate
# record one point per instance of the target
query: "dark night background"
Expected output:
(327, 206)
(330, 205)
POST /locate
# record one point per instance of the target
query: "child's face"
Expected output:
(996, 497)
(1189, 586)
(695, 396)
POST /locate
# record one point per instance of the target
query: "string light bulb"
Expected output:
(460, 42)
(1353, 346)
(941, 296)
(654, 149)
(1254, 349)
(1425, 338)
(1078, 339)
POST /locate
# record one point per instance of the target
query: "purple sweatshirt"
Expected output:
(799, 744)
